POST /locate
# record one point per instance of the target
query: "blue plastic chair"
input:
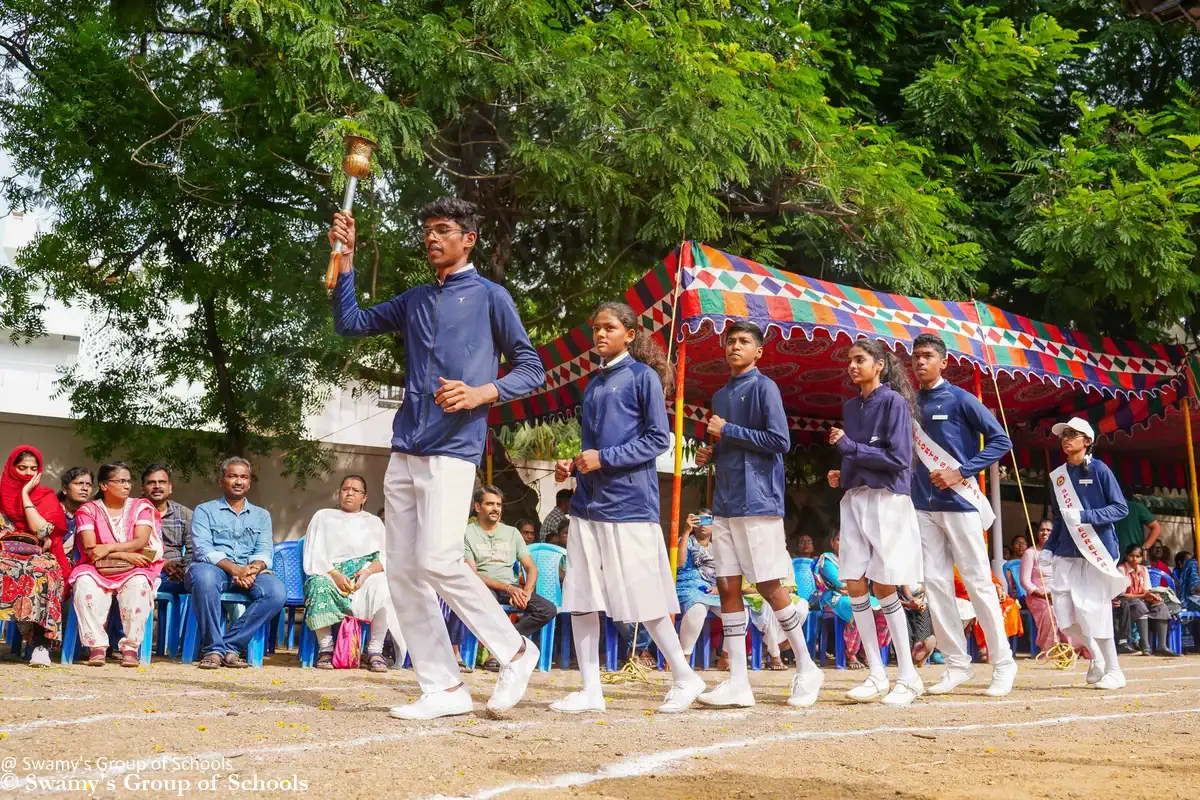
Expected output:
(289, 568)
(70, 640)
(547, 558)
(257, 647)
(171, 609)
(1174, 626)
(1012, 575)
(806, 587)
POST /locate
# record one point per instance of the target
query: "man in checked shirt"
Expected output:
(176, 526)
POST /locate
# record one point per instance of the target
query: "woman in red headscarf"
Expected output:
(33, 566)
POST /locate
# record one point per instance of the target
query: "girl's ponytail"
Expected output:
(893, 373)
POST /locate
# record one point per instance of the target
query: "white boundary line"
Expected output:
(657, 762)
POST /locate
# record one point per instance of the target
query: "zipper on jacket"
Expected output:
(432, 346)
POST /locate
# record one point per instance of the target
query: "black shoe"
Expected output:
(1127, 649)
(491, 665)
(1169, 653)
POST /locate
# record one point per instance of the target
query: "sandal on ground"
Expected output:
(854, 663)
(325, 660)
(377, 663)
(210, 661)
(234, 661)
(96, 657)
(776, 665)
(129, 658)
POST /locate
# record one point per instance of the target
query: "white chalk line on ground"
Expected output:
(142, 715)
(657, 762)
(199, 693)
(1129, 680)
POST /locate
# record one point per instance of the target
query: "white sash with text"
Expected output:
(1088, 542)
(934, 456)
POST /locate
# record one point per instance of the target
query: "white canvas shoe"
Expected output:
(513, 680)
(40, 657)
(1003, 676)
(805, 688)
(951, 679)
(872, 688)
(681, 696)
(436, 704)
(905, 692)
(1112, 679)
(579, 703)
(728, 695)
(1095, 671)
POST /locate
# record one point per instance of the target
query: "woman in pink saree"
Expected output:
(1037, 594)
(121, 554)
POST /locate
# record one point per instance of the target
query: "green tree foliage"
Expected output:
(189, 153)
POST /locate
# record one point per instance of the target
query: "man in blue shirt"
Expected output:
(234, 550)
(951, 526)
(455, 329)
(749, 425)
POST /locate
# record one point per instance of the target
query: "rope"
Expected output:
(1062, 656)
(633, 671)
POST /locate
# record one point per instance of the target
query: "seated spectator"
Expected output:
(121, 554)
(920, 623)
(494, 549)
(176, 526)
(763, 618)
(1159, 558)
(528, 529)
(344, 560)
(1006, 553)
(33, 567)
(234, 552)
(1018, 546)
(1187, 583)
(696, 580)
(77, 485)
(1139, 604)
(805, 547)
(1009, 608)
(627, 648)
(1036, 583)
(835, 600)
(562, 507)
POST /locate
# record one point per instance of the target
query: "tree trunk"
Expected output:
(235, 431)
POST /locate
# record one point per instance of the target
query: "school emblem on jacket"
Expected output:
(1061, 480)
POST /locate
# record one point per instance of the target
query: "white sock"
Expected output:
(1108, 649)
(662, 631)
(586, 630)
(791, 622)
(864, 618)
(893, 612)
(1094, 649)
(691, 626)
(734, 625)
(379, 632)
(325, 639)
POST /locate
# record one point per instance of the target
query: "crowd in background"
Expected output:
(97, 541)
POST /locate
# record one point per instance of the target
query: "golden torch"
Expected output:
(357, 165)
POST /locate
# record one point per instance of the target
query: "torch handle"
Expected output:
(335, 258)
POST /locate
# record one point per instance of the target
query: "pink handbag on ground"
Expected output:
(347, 650)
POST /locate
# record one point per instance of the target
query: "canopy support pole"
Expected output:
(1191, 451)
(489, 457)
(677, 486)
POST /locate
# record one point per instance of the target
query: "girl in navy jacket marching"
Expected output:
(616, 557)
(880, 539)
(1083, 584)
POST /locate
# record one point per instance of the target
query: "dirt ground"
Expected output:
(280, 731)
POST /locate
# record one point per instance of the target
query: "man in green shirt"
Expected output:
(493, 550)
(1138, 528)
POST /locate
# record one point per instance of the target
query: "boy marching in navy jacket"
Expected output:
(455, 330)
(953, 513)
(880, 540)
(1082, 550)
(750, 430)
(617, 560)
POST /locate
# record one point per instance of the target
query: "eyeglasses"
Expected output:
(352, 490)
(120, 481)
(439, 232)
(1068, 435)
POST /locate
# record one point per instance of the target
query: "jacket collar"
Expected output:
(458, 275)
(941, 386)
(750, 373)
(621, 359)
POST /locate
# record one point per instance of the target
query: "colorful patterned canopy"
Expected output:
(1042, 372)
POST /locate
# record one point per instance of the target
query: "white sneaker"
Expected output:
(1095, 671)
(805, 688)
(951, 679)
(681, 696)
(40, 657)
(1003, 676)
(578, 703)
(871, 689)
(513, 680)
(1112, 679)
(436, 704)
(728, 695)
(905, 692)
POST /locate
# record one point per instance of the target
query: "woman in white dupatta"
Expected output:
(344, 560)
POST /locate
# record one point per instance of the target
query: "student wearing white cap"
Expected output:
(1083, 549)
